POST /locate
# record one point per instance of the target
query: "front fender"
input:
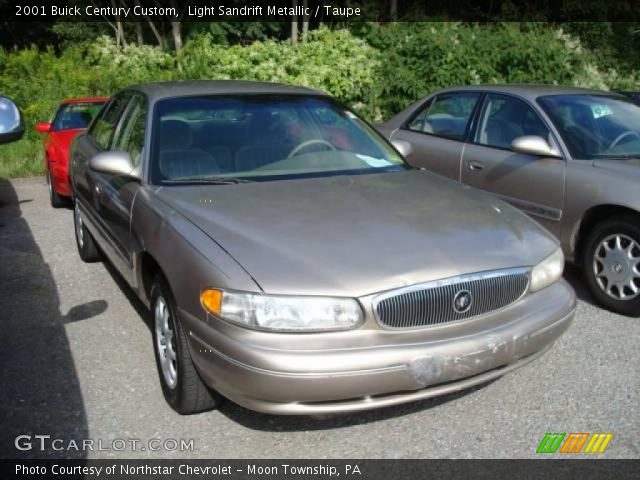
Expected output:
(189, 259)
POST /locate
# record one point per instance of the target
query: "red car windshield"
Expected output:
(75, 115)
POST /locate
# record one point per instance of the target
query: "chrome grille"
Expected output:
(432, 303)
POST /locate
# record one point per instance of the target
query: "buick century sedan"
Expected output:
(294, 263)
(569, 157)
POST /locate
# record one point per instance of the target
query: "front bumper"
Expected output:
(371, 367)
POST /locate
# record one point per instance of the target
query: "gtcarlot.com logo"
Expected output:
(47, 442)
(574, 443)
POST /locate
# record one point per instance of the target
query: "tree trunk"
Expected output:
(156, 33)
(294, 25)
(139, 34)
(176, 31)
(120, 37)
(305, 22)
(394, 10)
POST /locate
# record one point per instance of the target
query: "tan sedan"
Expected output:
(568, 157)
(293, 261)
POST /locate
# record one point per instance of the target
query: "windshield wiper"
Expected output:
(206, 180)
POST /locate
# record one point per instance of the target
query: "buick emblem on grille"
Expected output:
(462, 301)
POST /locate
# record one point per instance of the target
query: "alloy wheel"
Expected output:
(165, 338)
(79, 225)
(616, 265)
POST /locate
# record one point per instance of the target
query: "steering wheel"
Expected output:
(305, 144)
(621, 136)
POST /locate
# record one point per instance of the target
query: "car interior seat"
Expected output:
(264, 129)
(178, 157)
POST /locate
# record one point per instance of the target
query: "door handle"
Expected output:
(475, 166)
(98, 188)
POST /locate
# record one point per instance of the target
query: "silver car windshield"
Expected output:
(595, 126)
(262, 137)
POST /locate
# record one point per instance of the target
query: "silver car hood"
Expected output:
(356, 235)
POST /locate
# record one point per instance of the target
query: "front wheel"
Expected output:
(611, 264)
(182, 387)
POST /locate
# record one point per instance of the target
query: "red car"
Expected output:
(72, 117)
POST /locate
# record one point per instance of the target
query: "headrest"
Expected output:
(175, 134)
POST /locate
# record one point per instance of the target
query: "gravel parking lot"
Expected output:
(77, 363)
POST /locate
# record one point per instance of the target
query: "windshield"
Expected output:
(595, 126)
(263, 137)
(75, 115)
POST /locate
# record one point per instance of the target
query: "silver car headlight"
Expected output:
(283, 313)
(547, 271)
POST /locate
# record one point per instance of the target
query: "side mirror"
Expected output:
(403, 147)
(11, 123)
(43, 127)
(534, 145)
(115, 163)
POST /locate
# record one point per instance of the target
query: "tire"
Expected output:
(613, 275)
(56, 200)
(182, 387)
(87, 248)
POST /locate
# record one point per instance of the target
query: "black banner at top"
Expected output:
(319, 10)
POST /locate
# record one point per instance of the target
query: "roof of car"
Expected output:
(532, 91)
(85, 100)
(160, 90)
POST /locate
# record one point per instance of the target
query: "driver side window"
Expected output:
(506, 118)
(103, 128)
(130, 134)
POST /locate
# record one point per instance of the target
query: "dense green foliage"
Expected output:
(377, 70)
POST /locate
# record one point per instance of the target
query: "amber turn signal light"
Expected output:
(211, 300)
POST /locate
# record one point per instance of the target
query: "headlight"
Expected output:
(547, 271)
(283, 312)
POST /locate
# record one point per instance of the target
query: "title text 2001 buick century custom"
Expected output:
(295, 264)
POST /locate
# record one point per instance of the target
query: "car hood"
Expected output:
(356, 235)
(626, 167)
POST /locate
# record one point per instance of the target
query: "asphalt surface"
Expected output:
(76, 362)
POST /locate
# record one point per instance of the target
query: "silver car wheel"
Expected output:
(616, 265)
(79, 226)
(165, 343)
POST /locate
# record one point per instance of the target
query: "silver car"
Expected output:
(295, 263)
(569, 157)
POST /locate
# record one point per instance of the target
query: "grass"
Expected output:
(21, 159)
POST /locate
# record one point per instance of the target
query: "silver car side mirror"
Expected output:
(115, 163)
(403, 147)
(534, 145)
(11, 123)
